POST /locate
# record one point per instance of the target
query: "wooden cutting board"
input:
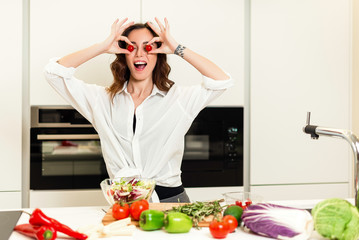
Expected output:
(107, 219)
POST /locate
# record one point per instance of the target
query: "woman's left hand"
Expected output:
(169, 44)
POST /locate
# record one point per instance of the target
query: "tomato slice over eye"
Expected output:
(130, 48)
(148, 48)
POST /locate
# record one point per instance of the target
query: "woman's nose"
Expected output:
(140, 52)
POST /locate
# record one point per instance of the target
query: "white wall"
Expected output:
(52, 34)
(10, 101)
(60, 27)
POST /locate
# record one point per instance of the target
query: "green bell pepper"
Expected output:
(151, 220)
(177, 222)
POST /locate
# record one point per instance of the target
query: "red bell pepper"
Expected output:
(39, 218)
(37, 232)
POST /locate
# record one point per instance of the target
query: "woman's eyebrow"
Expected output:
(145, 42)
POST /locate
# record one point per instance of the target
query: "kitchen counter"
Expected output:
(76, 217)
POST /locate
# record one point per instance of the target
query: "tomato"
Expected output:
(110, 192)
(138, 207)
(130, 48)
(219, 229)
(120, 211)
(231, 221)
(148, 48)
(244, 204)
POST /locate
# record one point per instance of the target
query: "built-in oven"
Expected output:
(66, 152)
(213, 153)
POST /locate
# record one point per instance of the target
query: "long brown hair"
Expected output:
(121, 72)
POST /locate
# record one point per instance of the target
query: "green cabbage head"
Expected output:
(336, 219)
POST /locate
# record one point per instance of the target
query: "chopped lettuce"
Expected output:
(131, 190)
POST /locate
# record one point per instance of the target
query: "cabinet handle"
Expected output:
(67, 136)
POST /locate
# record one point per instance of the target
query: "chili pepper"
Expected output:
(37, 232)
(39, 218)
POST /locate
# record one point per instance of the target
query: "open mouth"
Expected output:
(140, 65)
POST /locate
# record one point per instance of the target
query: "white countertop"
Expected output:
(76, 217)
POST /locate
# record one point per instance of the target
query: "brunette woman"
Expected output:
(143, 116)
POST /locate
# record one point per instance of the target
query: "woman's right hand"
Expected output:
(110, 45)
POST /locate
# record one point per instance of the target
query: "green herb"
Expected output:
(199, 210)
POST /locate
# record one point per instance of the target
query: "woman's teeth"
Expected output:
(140, 65)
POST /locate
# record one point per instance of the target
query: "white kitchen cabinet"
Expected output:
(11, 103)
(58, 28)
(10, 199)
(300, 61)
(214, 29)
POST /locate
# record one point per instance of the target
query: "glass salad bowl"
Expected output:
(242, 199)
(127, 189)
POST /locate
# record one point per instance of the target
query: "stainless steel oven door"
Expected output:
(66, 159)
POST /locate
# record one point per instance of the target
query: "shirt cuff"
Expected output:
(209, 83)
(53, 67)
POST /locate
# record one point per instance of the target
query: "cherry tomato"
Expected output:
(137, 208)
(130, 48)
(244, 204)
(231, 221)
(148, 48)
(120, 211)
(110, 192)
(219, 229)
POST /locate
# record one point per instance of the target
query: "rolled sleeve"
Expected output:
(82, 96)
(53, 67)
(211, 84)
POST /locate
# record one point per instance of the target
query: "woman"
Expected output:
(142, 117)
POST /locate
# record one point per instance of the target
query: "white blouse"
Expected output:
(156, 148)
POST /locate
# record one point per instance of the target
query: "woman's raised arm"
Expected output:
(109, 45)
(169, 45)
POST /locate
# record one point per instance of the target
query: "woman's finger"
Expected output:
(155, 39)
(160, 24)
(154, 28)
(155, 51)
(125, 39)
(122, 21)
(114, 26)
(167, 25)
(124, 27)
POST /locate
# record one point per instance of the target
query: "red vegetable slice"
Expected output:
(148, 48)
(130, 48)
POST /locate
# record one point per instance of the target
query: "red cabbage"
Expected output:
(278, 221)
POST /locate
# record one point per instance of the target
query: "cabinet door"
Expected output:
(10, 95)
(300, 61)
(214, 29)
(59, 27)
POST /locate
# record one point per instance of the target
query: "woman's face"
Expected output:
(139, 61)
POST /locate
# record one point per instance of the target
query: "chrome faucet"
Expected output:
(316, 131)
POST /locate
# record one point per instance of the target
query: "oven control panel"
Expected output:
(233, 146)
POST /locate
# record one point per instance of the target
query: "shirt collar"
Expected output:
(155, 90)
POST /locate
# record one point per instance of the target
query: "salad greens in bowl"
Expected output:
(127, 189)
